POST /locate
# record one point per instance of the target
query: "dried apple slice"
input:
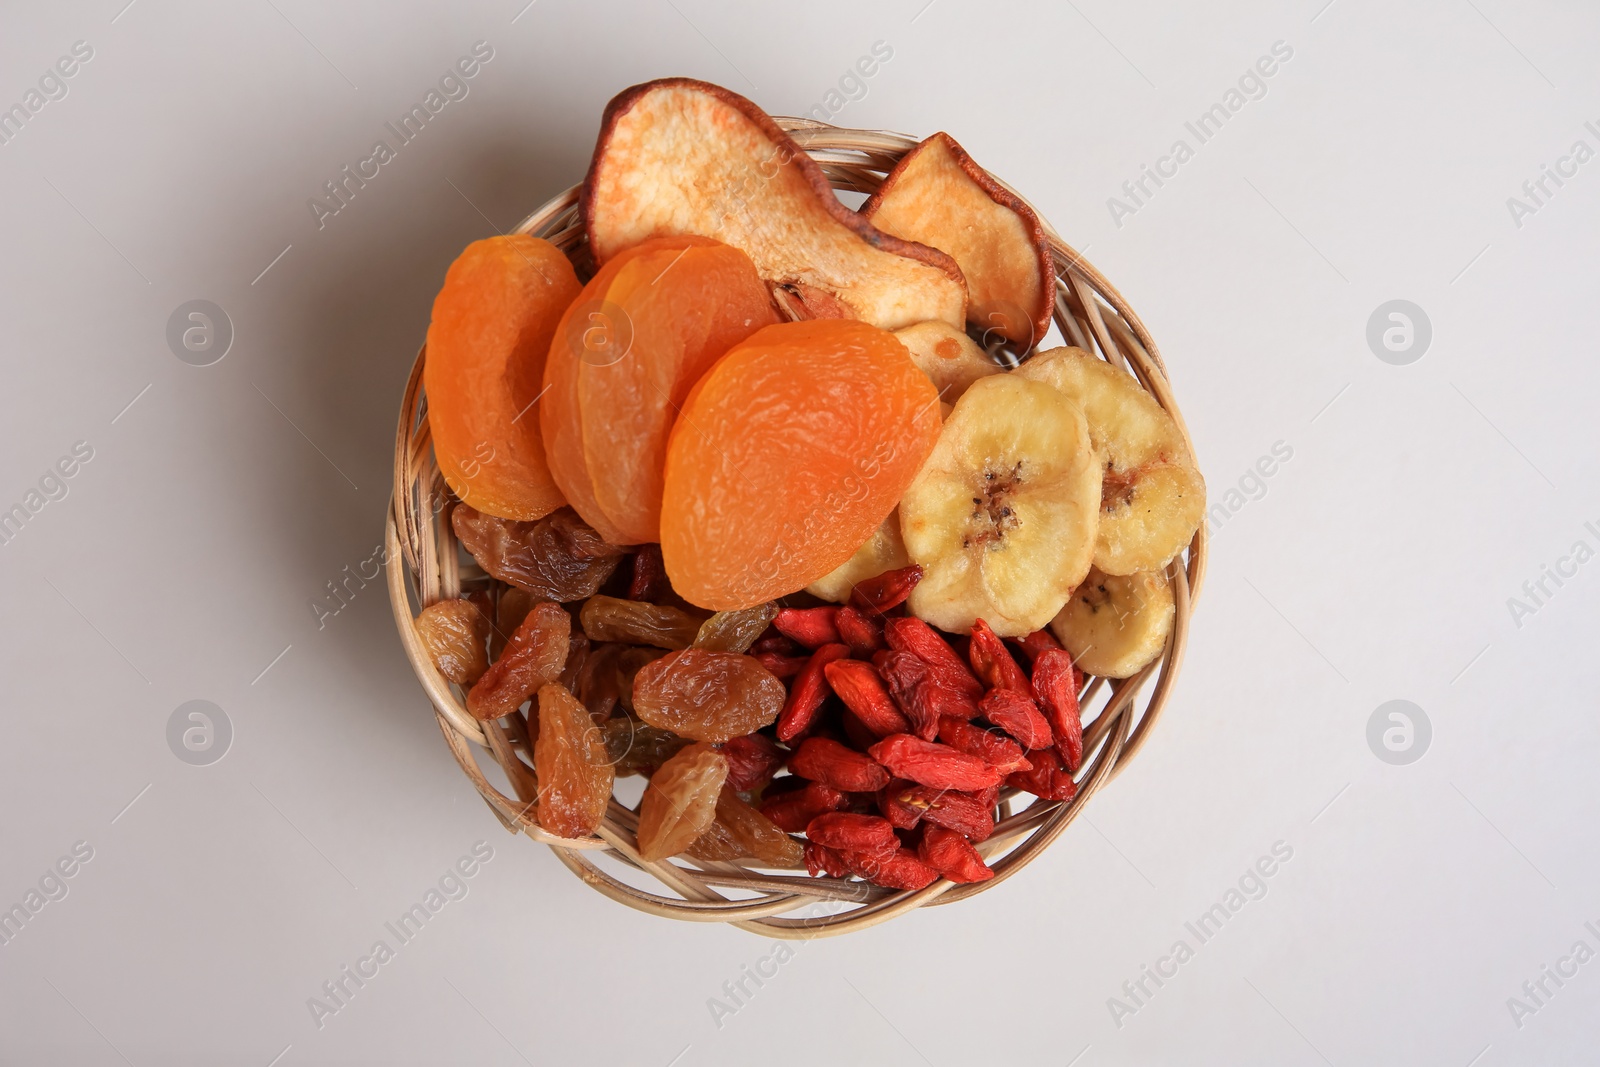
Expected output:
(680, 156)
(937, 195)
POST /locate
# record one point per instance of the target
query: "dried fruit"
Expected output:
(1004, 754)
(888, 590)
(820, 859)
(793, 809)
(535, 656)
(752, 761)
(680, 801)
(609, 618)
(1055, 687)
(1049, 778)
(634, 747)
(790, 451)
(895, 804)
(782, 666)
(735, 631)
(1017, 715)
(1116, 625)
(923, 700)
(810, 689)
(648, 580)
(850, 832)
(627, 351)
(758, 835)
(454, 633)
(824, 760)
(1035, 644)
(1152, 496)
(947, 852)
(492, 324)
(863, 692)
(716, 843)
(933, 764)
(950, 359)
(898, 869)
(861, 631)
(707, 696)
(992, 661)
(575, 776)
(883, 551)
(1002, 515)
(513, 607)
(811, 627)
(908, 634)
(557, 558)
(963, 812)
(682, 156)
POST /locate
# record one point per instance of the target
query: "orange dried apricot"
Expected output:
(788, 454)
(491, 329)
(623, 358)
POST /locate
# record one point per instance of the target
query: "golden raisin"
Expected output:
(608, 618)
(736, 631)
(756, 834)
(575, 777)
(636, 748)
(680, 801)
(453, 632)
(556, 558)
(535, 655)
(707, 696)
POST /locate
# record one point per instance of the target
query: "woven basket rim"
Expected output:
(422, 567)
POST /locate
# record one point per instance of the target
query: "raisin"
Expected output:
(1004, 754)
(993, 662)
(862, 691)
(811, 627)
(717, 843)
(861, 631)
(793, 809)
(680, 801)
(1055, 687)
(810, 689)
(752, 760)
(907, 634)
(735, 631)
(930, 764)
(609, 618)
(758, 835)
(707, 696)
(1048, 779)
(649, 578)
(952, 856)
(556, 558)
(535, 656)
(454, 632)
(513, 608)
(850, 832)
(827, 761)
(636, 748)
(1017, 715)
(569, 757)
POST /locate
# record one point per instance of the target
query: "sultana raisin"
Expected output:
(680, 801)
(758, 835)
(575, 776)
(453, 632)
(609, 618)
(535, 655)
(707, 696)
(559, 557)
(717, 843)
(735, 631)
(634, 747)
(513, 608)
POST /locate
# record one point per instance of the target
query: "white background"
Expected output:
(1377, 566)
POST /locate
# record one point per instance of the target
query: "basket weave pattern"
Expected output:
(423, 567)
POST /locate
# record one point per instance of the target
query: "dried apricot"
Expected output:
(789, 453)
(575, 776)
(557, 558)
(492, 324)
(680, 801)
(454, 632)
(535, 655)
(707, 696)
(625, 355)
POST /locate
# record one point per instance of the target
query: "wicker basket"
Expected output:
(424, 566)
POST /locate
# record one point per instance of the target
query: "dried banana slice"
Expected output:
(884, 551)
(1116, 624)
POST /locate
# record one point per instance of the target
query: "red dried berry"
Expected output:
(1055, 687)
(812, 627)
(855, 732)
(993, 661)
(776, 643)
(911, 683)
(752, 761)
(899, 869)
(649, 579)
(793, 809)
(895, 803)
(824, 760)
(861, 631)
(820, 859)
(782, 666)
(908, 634)
(952, 856)
(808, 692)
(1017, 715)
(887, 590)
(1037, 643)
(930, 764)
(850, 832)
(863, 692)
(964, 813)
(1048, 780)
(1004, 754)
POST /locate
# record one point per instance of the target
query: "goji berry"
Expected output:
(863, 692)
(776, 643)
(994, 748)
(1055, 687)
(888, 590)
(752, 760)
(931, 764)
(1017, 715)
(952, 856)
(649, 578)
(899, 869)
(820, 859)
(793, 809)
(993, 661)
(1049, 778)
(812, 627)
(855, 731)
(808, 692)
(910, 681)
(964, 813)
(1036, 643)
(824, 760)
(909, 634)
(895, 804)
(850, 832)
(782, 666)
(861, 631)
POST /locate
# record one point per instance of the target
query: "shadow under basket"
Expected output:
(424, 565)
